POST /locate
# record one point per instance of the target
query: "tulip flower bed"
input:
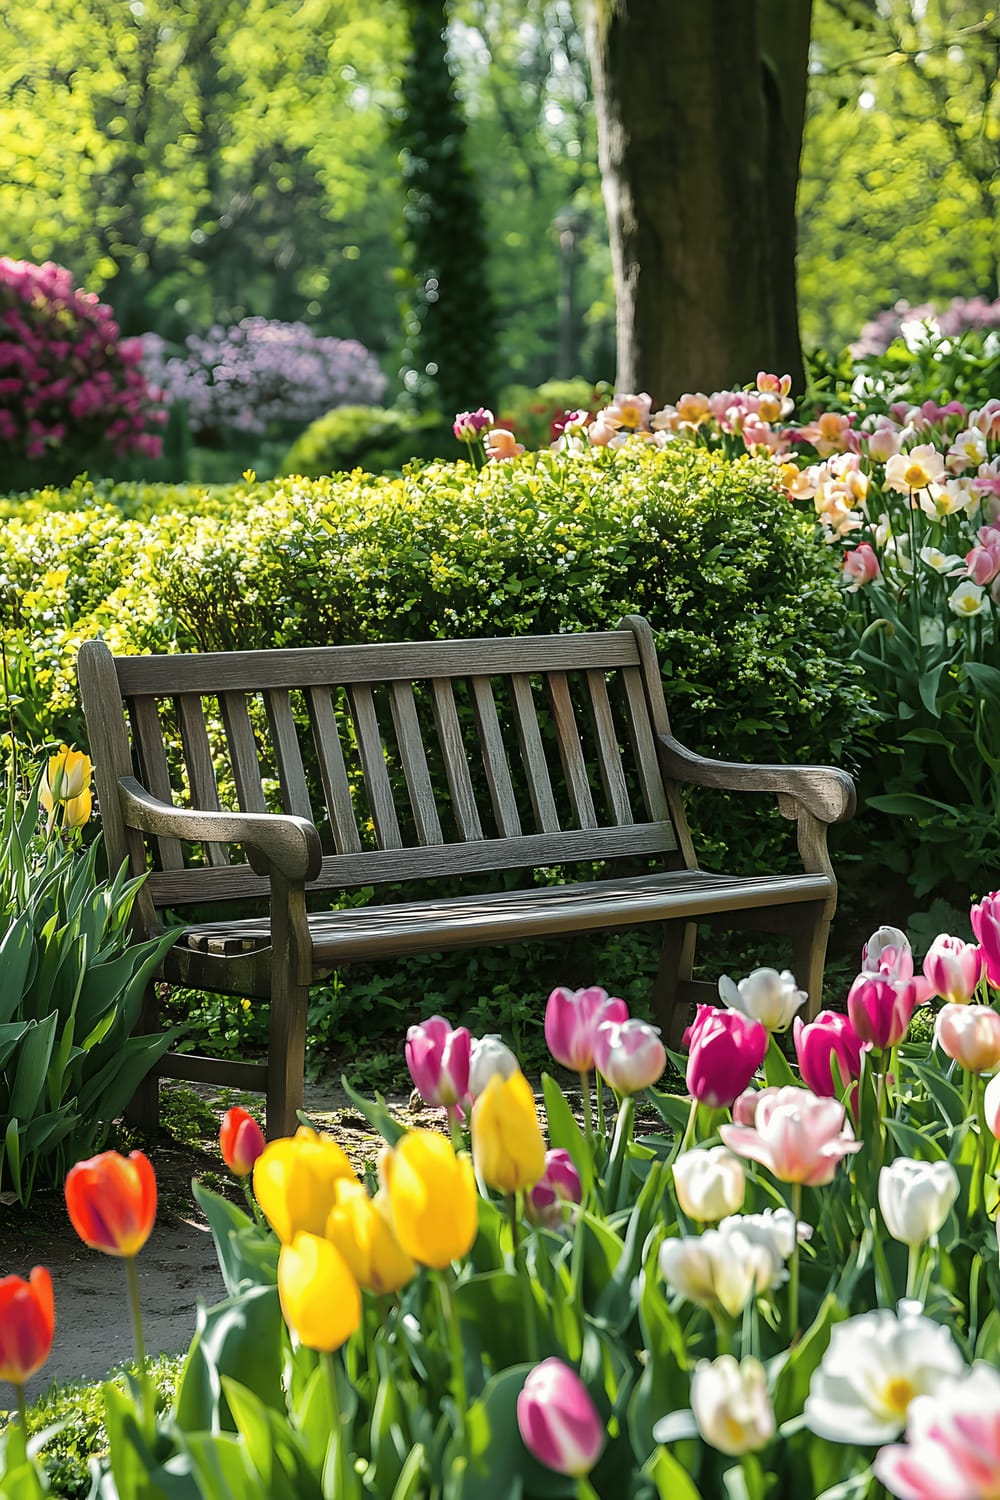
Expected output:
(791, 1293)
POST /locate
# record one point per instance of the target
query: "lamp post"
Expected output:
(570, 226)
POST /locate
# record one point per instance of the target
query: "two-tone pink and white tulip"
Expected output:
(953, 968)
(829, 1051)
(970, 1035)
(550, 1202)
(985, 919)
(725, 1049)
(438, 1059)
(629, 1054)
(952, 1448)
(765, 996)
(880, 1009)
(558, 1421)
(798, 1136)
(571, 1021)
(888, 953)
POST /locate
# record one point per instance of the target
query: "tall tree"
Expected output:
(700, 113)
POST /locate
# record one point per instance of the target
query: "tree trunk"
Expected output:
(700, 113)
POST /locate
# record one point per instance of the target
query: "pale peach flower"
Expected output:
(916, 470)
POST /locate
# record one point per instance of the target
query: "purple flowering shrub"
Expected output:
(70, 387)
(962, 315)
(259, 375)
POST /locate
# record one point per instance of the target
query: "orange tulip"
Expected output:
(241, 1141)
(112, 1202)
(27, 1322)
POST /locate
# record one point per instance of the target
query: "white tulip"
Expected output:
(709, 1182)
(731, 1405)
(489, 1055)
(765, 996)
(916, 1197)
(714, 1269)
(775, 1230)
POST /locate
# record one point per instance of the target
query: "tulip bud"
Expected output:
(241, 1141)
(27, 1323)
(970, 1034)
(709, 1183)
(294, 1182)
(572, 1018)
(717, 1270)
(985, 919)
(916, 1197)
(887, 953)
(550, 1200)
(880, 1009)
(629, 1054)
(558, 1421)
(489, 1055)
(320, 1299)
(765, 996)
(725, 1049)
(438, 1060)
(507, 1144)
(829, 1053)
(953, 968)
(361, 1229)
(66, 782)
(731, 1405)
(432, 1197)
(111, 1200)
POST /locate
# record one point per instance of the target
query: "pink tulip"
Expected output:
(883, 444)
(571, 1020)
(796, 1135)
(725, 1049)
(829, 1053)
(887, 953)
(970, 1034)
(560, 1186)
(744, 1109)
(629, 1054)
(438, 1060)
(880, 1009)
(860, 567)
(982, 566)
(953, 969)
(558, 1421)
(952, 1448)
(991, 1108)
(985, 919)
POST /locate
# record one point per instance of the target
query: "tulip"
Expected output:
(880, 1009)
(709, 1182)
(558, 1421)
(489, 1055)
(952, 1448)
(953, 969)
(765, 996)
(111, 1201)
(241, 1141)
(507, 1144)
(320, 1299)
(744, 1108)
(776, 1230)
(557, 1190)
(718, 1269)
(438, 1060)
(991, 1105)
(65, 783)
(731, 1405)
(888, 953)
(27, 1323)
(500, 443)
(571, 1021)
(361, 1229)
(725, 1049)
(829, 1053)
(432, 1197)
(796, 1135)
(294, 1181)
(915, 1198)
(629, 1054)
(970, 1035)
(469, 426)
(985, 919)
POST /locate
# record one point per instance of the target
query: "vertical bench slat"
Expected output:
(495, 759)
(647, 763)
(333, 771)
(608, 752)
(148, 733)
(372, 752)
(242, 751)
(200, 766)
(533, 755)
(288, 757)
(571, 750)
(414, 758)
(456, 765)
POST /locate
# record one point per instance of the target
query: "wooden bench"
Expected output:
(409, 761)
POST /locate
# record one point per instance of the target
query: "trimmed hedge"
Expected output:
(377, 438)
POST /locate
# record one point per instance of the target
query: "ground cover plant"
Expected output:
(794, 1294)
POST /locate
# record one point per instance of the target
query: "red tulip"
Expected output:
(112, 1202)
(241, 1141)
(27, 1322)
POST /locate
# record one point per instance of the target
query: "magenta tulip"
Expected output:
(725, 1049)
(438, 1060)
(558, 1421)
(953, 969)
(560, 1187)
(985, 919)
(796, 1135)
(829, 1053)
(629, 1054)
(880, 1009)
(571, 1021)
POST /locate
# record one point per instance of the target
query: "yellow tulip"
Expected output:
(320, 1299)
(507, 1144)
(294, 1181)
(66, 777)
(362, 1232)
(76, 812)
(432, 1197)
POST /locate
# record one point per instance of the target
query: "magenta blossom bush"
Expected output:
(260, 374)
(70, 386)
(962, 315)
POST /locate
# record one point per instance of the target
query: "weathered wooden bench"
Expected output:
(405, 762)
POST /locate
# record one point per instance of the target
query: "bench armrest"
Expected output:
(288, 844)
(824, 791)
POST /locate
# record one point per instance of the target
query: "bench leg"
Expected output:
(809, 955)
(676, 964)
(143, 1109)
(286, 1058)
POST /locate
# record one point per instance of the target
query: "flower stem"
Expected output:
(453, 1338)
(619, 1147)
(340, 1472)
(689, 1131)
(588, 1125)
(512, 1211)
(585, 1490)
(455, 1128)
(912, 1269)
(22, 1413)
(793, 1266)
(132, 1278)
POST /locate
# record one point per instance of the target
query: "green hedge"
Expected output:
(382, 440)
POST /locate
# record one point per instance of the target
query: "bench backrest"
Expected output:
(413, 759)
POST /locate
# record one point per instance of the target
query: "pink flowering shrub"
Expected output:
(70, 387)
(259, 375)
(962, 315)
